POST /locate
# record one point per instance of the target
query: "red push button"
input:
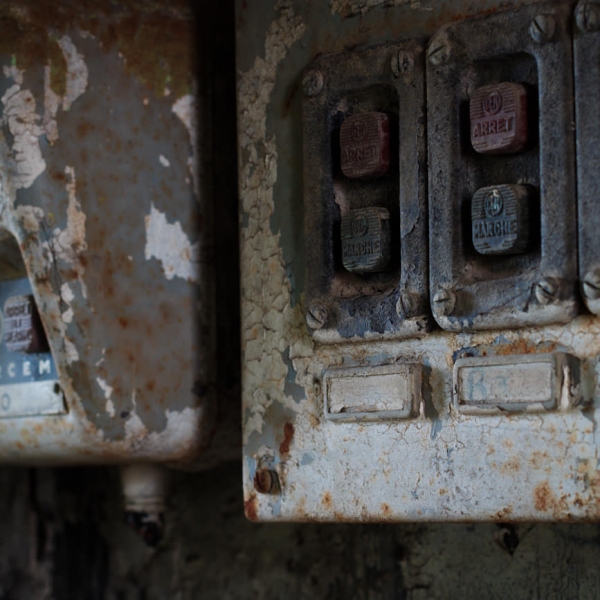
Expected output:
(365, 145)
(499, 118)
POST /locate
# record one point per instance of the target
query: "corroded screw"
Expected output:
(445, 302)
(587, 17)
(316, 316)
(438, 51)
(546, 290)
(542, 28)
(407, 305)
(402, 62)
(266, 481)
(312, 84)
(591, 284)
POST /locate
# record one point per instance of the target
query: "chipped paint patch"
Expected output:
(108, 390)
(185, 108)
(168, 243)
(69, 244)
(77, 72)
(23, 123)
(266, 301)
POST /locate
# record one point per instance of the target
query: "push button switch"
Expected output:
(499, 118)
(365, 236)
(365, 145)
(500, 219)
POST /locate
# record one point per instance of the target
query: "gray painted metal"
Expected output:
(99, 185)
(441, 465)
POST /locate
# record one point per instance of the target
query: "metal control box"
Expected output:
(487, 411)
(106, 289)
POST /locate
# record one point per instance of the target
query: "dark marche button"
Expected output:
(500, 216)
(365, 234)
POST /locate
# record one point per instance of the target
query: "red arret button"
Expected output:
(365, 145)
(499, 118)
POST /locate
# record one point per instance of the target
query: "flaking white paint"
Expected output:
(168, 243)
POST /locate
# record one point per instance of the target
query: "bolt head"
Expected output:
(444, 302)
(546, 290)
(542, 28)
(266, 481)
(316, 316)
(591, 285)
(402, 62)
(312, 83)
(587, 16)
(407, 305)
(438, 51)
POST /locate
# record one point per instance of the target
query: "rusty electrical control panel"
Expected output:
(456, 378)
(493, 81)
(365, 194)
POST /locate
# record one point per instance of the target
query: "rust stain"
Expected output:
(523, 346)
(250, 508)
(546, 500)
(510, 466)
(501, 515)
(386, 510)
(288, 435)
(327, 501)
(154, 38)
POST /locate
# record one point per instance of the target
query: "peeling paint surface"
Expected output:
(440, 465)
(95, 189)
(168, 243)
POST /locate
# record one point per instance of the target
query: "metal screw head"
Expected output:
(444, 302)
(587, 16)
(316, 316)
(402, 62)
(266, 481)
(546, 290)
(591, 285)
(312, 83)
(407, 305)
(542, 28)
(438, 51)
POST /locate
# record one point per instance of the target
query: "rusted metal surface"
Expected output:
(100, 188)
(440, 465)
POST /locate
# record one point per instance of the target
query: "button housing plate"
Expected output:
(500, 291)
(394, 303)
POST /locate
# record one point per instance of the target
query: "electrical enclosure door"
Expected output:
(416, 347)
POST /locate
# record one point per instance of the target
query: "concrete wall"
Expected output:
(63, 537)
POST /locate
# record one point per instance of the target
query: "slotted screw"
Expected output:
(402, 62)
(542, 28)
(444, 301)
(546, 290)
(587, 16)
(591, 285)
(316, 316)
(438, 51)
(312, 83)
(266, 481)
